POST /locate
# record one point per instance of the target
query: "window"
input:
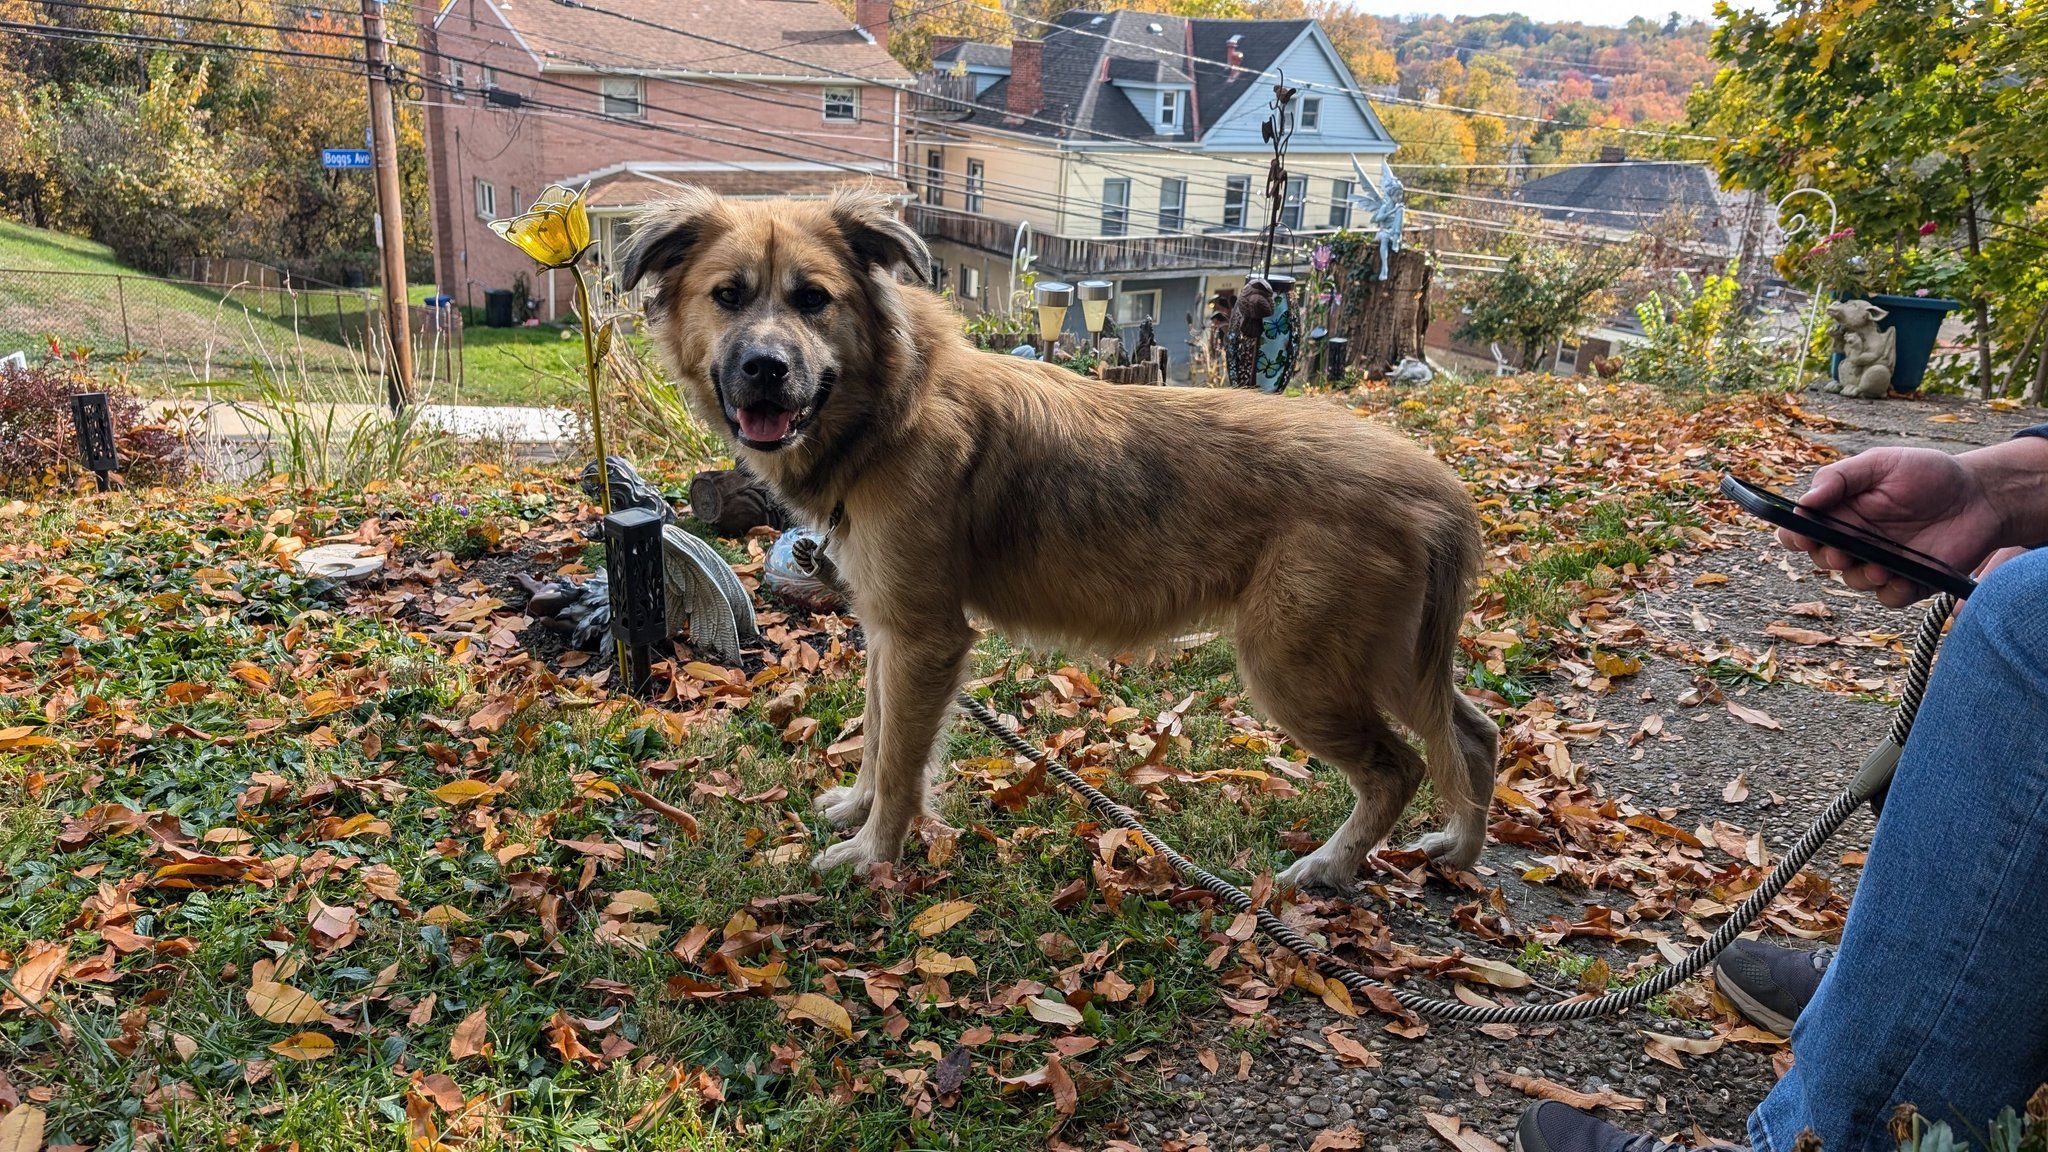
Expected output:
(1173, 204)
(935, 177)
(1171, 103)
(1311, 117)
(1340, 203)
(514, 202)
(490, 80)
(1297, 197)
(1236, 190)
(455, 80)
(975, 181)
(1134, 308)
(842, 105)
(1116, 206)
(970, 284)
(486, 200)
(623, 97)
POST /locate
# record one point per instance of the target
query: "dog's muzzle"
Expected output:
(768, 395)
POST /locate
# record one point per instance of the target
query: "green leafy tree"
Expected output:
(1545, 291)
(1909, 114)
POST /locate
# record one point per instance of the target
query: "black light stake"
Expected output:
(632, 561)
(94, 423)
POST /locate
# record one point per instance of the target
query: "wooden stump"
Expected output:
(734, 502)
(1386, 320)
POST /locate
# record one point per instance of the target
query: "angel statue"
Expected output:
(1384, 207)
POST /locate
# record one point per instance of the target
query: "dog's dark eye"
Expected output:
(810, 299)
(727, 295)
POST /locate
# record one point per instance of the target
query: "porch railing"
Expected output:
(1077, 256)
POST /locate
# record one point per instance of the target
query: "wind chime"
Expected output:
(1264, 330)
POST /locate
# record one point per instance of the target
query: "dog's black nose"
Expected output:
(765, 368)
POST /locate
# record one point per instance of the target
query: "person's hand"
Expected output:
(1922, 498)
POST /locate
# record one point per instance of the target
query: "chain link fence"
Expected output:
(190, 330)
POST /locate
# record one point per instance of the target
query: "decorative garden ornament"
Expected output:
(1795, 226)
(1280, 338)
(1246, 333)
(1386, 208)
(1868, 354)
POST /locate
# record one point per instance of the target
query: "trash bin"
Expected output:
(498, 308)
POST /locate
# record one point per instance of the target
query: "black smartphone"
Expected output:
(1854, 539)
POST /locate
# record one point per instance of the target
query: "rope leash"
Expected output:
(1869, 785)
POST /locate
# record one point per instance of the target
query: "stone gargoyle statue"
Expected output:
(1868, 354)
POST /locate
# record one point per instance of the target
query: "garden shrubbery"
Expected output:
(39, 450)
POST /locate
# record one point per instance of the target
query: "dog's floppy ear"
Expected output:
(878, 237)
(664, 234)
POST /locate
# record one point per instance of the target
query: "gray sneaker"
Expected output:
(1554, 1127)
(1769, 985)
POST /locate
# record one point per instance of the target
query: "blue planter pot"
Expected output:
(1917, 322)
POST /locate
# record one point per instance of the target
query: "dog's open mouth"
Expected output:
(766, 425)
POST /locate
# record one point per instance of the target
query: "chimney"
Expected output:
(873, 18)
(1612, 154)
(1027, 77)
(941, 45)
(1233, 55)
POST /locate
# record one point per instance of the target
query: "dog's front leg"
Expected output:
(917, 668)
(848, 805)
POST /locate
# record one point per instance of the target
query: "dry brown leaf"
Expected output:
(1350, 1051)
(1792, 633)
(1452, 1131)
(22, 1129)
(941, 916)
(281, 1003)
(1748, 715)
(1064, 1096)
(471, 1036)
(1543, 1089)
(457, 793)
(818, 1009)
(305, 1046)
(1737, 790)
(1492, 972)
(1338, 1139)
(1047, 1011)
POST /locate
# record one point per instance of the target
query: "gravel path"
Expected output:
(1282, 1086)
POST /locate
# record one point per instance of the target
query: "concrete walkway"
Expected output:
(522, 426)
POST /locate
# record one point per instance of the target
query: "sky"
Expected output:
(1615, 12)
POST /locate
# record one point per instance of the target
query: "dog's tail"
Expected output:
(1455, 556)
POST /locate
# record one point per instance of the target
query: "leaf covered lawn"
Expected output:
(375, 866)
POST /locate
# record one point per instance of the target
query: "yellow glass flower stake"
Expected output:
(556, 233)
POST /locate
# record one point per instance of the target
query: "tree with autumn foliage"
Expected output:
(1910, 115)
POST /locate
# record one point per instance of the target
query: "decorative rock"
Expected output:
(338, 562)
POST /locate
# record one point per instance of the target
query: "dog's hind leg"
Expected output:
(1383, 772)
(919, 669)
(1464, 833)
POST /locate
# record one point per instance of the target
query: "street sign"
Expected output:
(345, 158)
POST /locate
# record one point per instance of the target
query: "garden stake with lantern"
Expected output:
(1259, 349)
(556, 233)
(94, 423)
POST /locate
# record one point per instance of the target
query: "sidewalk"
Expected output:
(519, 426)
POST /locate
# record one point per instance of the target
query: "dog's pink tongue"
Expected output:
(765, 423)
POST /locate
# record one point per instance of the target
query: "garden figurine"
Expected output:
(1386, 208)
(1868, 354)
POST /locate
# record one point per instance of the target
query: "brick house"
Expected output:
(752, 98)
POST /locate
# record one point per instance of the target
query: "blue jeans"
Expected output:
(1939, 995)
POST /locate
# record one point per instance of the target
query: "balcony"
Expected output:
(1074, 257)
(942, 96)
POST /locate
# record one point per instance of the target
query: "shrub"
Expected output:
(39, 450)
(1697, 337)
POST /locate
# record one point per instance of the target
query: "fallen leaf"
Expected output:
(281, 1003)
(818, 1009)
(1491, 972)
(1750, 715)
(1350, 1051)
(1053, 1012)
(471, 1036)
(457, 793)
(1543, 1089)
(1453, 1132)
(22, 1129)
(1064, 1097)
(1737, 789)
(305, 1046)
(1796, 635)
(1338, 1139)
(941, 916)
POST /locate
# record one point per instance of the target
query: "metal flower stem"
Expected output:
(1794, 226)
(604, 471)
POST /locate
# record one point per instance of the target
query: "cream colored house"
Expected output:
(1129, 144)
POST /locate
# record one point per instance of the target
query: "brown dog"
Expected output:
(1070, 511)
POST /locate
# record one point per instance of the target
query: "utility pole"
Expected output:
(390, 208)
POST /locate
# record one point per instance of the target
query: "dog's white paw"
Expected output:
(1449, 850)
(844, 807)
(1321, 868)
(855, 850)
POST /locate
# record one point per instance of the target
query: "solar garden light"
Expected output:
(1053, 298)
(1336, 358)
(1095, 297)
(94, 423)
(639, 593)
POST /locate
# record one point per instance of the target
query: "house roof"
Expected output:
(808, 38)
(974, 54)
(1082, 48)
(631, 189)
(1625, 197)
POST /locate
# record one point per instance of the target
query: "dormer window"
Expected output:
(1173, 107)
(1311, 119)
